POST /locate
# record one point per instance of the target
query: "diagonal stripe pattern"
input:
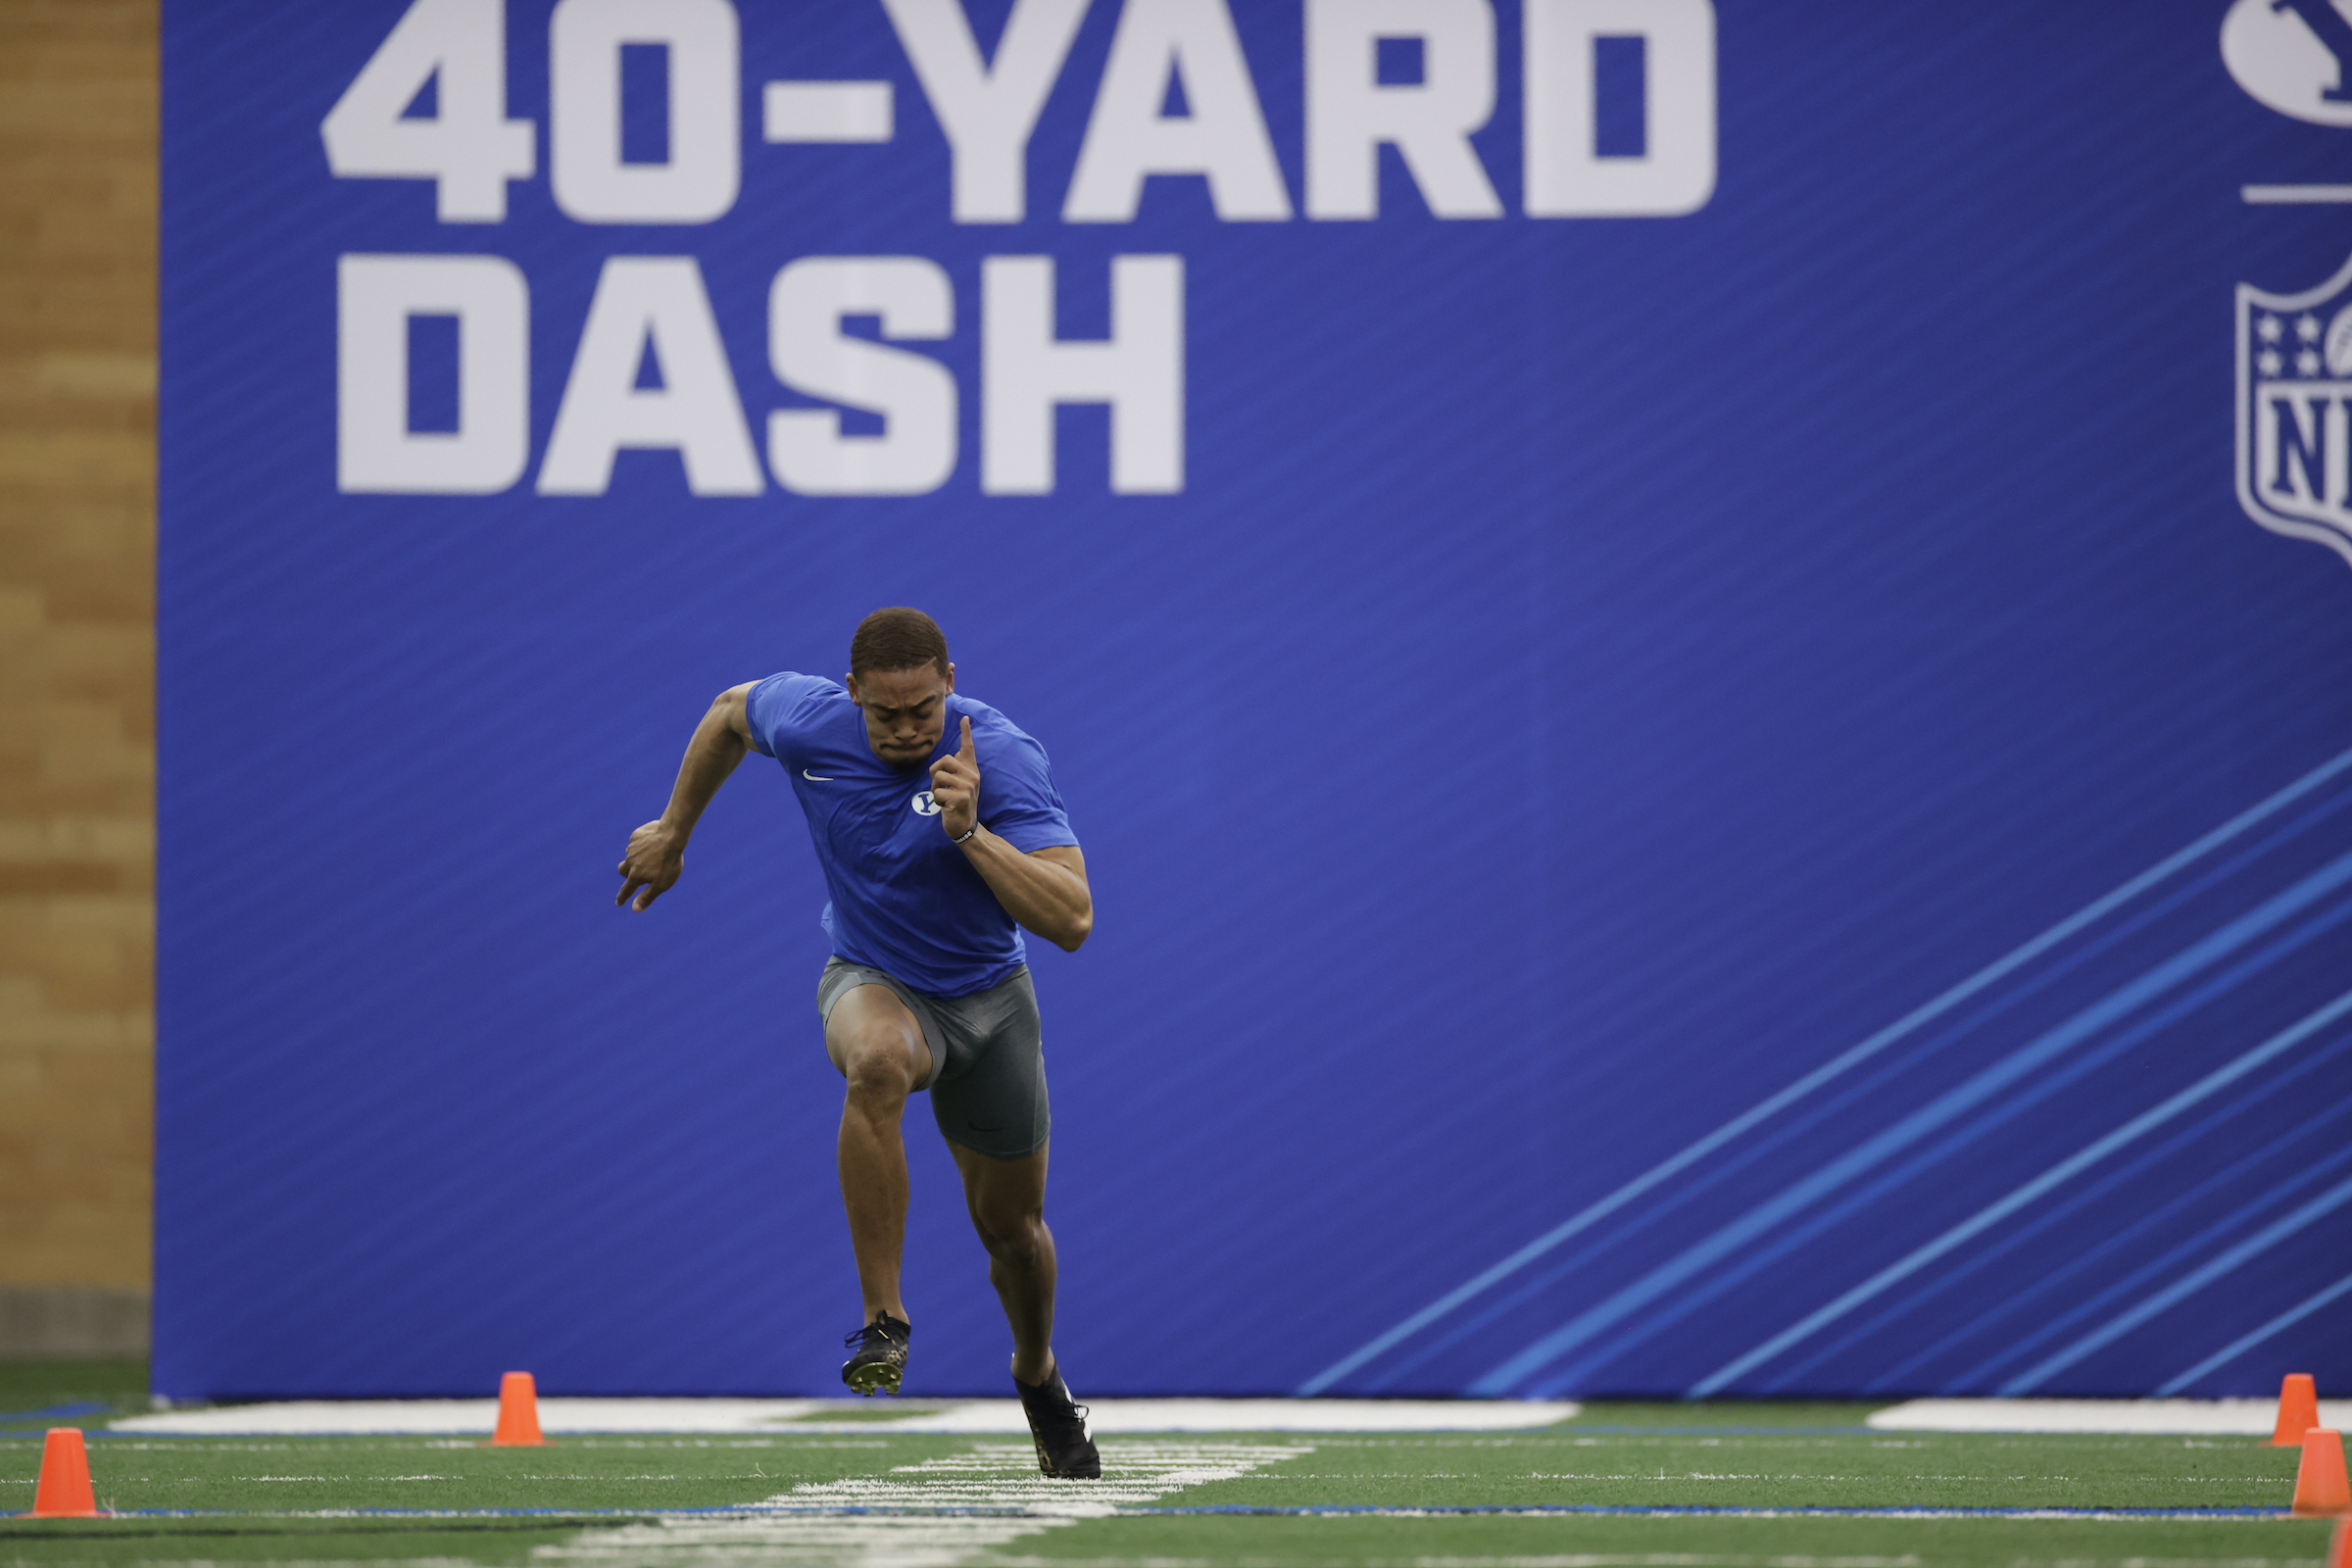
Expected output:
(1993, 1214)
(1907, 1131)
(1836, 1067)
(2198, 958)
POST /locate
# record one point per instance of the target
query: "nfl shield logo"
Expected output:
(2294, 410)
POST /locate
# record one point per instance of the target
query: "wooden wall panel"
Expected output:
(77, 241)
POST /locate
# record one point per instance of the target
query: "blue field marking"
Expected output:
(53, 1412)
(1886, 1145)
(1994, 1212)
(2246, 1342)
(2261, 1241)
(1829, 1071)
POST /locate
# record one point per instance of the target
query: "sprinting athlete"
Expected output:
(941, 834)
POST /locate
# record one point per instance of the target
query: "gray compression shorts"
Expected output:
(988, 1061)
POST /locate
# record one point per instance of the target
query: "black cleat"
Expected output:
(879, 1357)
(1058, 1426)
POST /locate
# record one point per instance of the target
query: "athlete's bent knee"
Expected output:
(1016, 1237)
(878, 1071)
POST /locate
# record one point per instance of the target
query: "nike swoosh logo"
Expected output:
(817, 778)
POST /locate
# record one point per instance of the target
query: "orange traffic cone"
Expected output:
(2298, 1410)
(2320, 1482)
(518, 1413)
(2339, 1546)
(65, 1489)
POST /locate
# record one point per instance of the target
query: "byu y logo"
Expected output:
(2291, 55)
(2294, 410)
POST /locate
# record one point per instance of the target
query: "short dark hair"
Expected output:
(897, 638)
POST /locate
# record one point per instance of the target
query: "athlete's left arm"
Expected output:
(1045, 890)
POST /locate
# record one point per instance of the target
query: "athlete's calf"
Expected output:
(1007, 1199)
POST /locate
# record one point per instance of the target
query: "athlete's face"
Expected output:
(905, 710)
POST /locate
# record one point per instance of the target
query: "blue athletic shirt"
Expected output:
(906, 901)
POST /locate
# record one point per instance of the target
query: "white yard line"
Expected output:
(2187, 1417)
(962, 1417)
(1118, 1417)
(924, 1525)
(467, 1417)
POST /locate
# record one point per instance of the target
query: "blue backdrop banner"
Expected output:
(1698, 648)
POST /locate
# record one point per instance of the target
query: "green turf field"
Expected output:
(1286, 1499)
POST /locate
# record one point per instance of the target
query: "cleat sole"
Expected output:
(875, 1377)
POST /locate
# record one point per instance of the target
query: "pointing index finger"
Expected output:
(965, 750)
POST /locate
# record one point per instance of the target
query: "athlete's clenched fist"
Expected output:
(956, 787)
(655, 858)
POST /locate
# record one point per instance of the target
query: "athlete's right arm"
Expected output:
(658, 851)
